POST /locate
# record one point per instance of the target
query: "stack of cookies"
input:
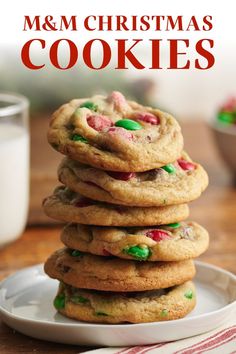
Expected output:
(125, 184)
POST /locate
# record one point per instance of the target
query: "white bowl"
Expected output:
(225, 138)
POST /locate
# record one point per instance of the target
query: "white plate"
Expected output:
(26, 305)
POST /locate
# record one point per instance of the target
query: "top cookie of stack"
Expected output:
(112, 133)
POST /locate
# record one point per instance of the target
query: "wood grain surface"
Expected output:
(215, 210)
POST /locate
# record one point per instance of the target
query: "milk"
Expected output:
(14, 181)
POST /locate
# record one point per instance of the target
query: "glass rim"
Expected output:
(17, 103)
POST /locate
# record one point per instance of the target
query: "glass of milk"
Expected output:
(14, 166)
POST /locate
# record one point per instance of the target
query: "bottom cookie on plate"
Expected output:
(139, 307)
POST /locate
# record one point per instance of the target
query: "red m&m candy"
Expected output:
(158, 235)
(186, 165)
(99, 122)
(123, 176)
(148, 118)
(106, 253)
(229, 105)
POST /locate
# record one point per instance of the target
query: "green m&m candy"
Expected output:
(89, 105)
(78, 299)
(169, 168)
(138, 252)
(189, 294)
(174, 225)
(59, 301)
(77, 137)
(76, 253)
(164, 312)
(128, 124)
(226, 117)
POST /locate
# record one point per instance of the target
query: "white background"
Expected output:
(187, 92)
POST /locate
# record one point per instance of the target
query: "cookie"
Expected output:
(175, 183)
(67, 206)
(87, 271)
(114, 134)
(173, 242)
(109, 307)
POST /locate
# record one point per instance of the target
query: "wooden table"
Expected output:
(216, 210)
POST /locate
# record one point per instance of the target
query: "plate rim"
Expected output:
(75, 324)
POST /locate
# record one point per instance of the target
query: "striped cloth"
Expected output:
(220, 341)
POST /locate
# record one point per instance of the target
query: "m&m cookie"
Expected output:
(68, 206)
(87, 271)
(175, 183)
(110, 307)
(112, 133)
(172, 242)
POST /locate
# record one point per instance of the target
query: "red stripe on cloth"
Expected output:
(181, 351)
(122, 351)
(139, 349)
(127, 349)
(219, 344)
(153, 347)
(207, 343)
(131, 350)
(135, 350)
